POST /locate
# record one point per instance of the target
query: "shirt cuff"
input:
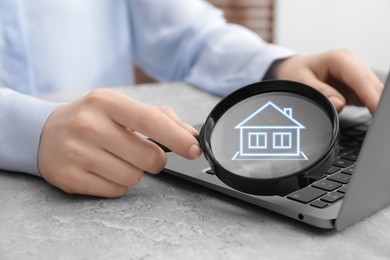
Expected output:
(233, 57)
(22, 118)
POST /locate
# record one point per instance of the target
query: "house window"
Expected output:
(281, 140)
(257, 140)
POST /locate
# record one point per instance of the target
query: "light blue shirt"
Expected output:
(61, 45)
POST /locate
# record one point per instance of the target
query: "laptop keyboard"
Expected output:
(334, 183)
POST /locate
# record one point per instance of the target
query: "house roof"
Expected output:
(269, 116)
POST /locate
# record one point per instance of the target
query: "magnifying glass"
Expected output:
(271, 137)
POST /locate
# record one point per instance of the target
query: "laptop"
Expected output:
(354, 187)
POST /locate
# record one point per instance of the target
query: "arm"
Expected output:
(85, 147)
(90, 146)
(190, 41)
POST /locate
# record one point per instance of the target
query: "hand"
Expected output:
(94, 146)
(338, 74)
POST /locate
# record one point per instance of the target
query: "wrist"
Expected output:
(272, 70)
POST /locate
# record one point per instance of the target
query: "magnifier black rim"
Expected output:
(268, 186)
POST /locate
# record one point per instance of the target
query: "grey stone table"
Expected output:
(165, 217)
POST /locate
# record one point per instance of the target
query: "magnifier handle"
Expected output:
(163, 147)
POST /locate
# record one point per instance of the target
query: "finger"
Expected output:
(79, 181)
(133, 148)
(171, 113)
(154, 124)
(369, 90)
(176, 138)
(335, 97)
(113, 168)
(93, 158)
(357, 77)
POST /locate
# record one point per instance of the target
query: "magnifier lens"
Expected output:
(271, 135)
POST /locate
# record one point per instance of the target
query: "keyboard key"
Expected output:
(348, 144)
(306, 194)
(333, 169)
(346, 149)
(332, 197)
(340, 177)
(349, 170)
(357, 151)
(327, 185)
(353, 132)
(343, 189)
(319, 204)
(360, 138)
(350, 156)
(342, 163)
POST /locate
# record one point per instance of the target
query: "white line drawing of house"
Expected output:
(277, 139)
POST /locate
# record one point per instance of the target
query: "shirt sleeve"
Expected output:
(22, 118)
(190, 41)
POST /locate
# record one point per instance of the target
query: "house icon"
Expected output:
(270, 133)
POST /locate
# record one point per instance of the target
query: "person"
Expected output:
(96, 145)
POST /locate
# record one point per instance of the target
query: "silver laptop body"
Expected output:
(369, 187)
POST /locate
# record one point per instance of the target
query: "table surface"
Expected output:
(165, 217)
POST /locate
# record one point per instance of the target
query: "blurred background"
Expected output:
(360, 26)
(307, 26)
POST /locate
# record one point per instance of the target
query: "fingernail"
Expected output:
(194, 151)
